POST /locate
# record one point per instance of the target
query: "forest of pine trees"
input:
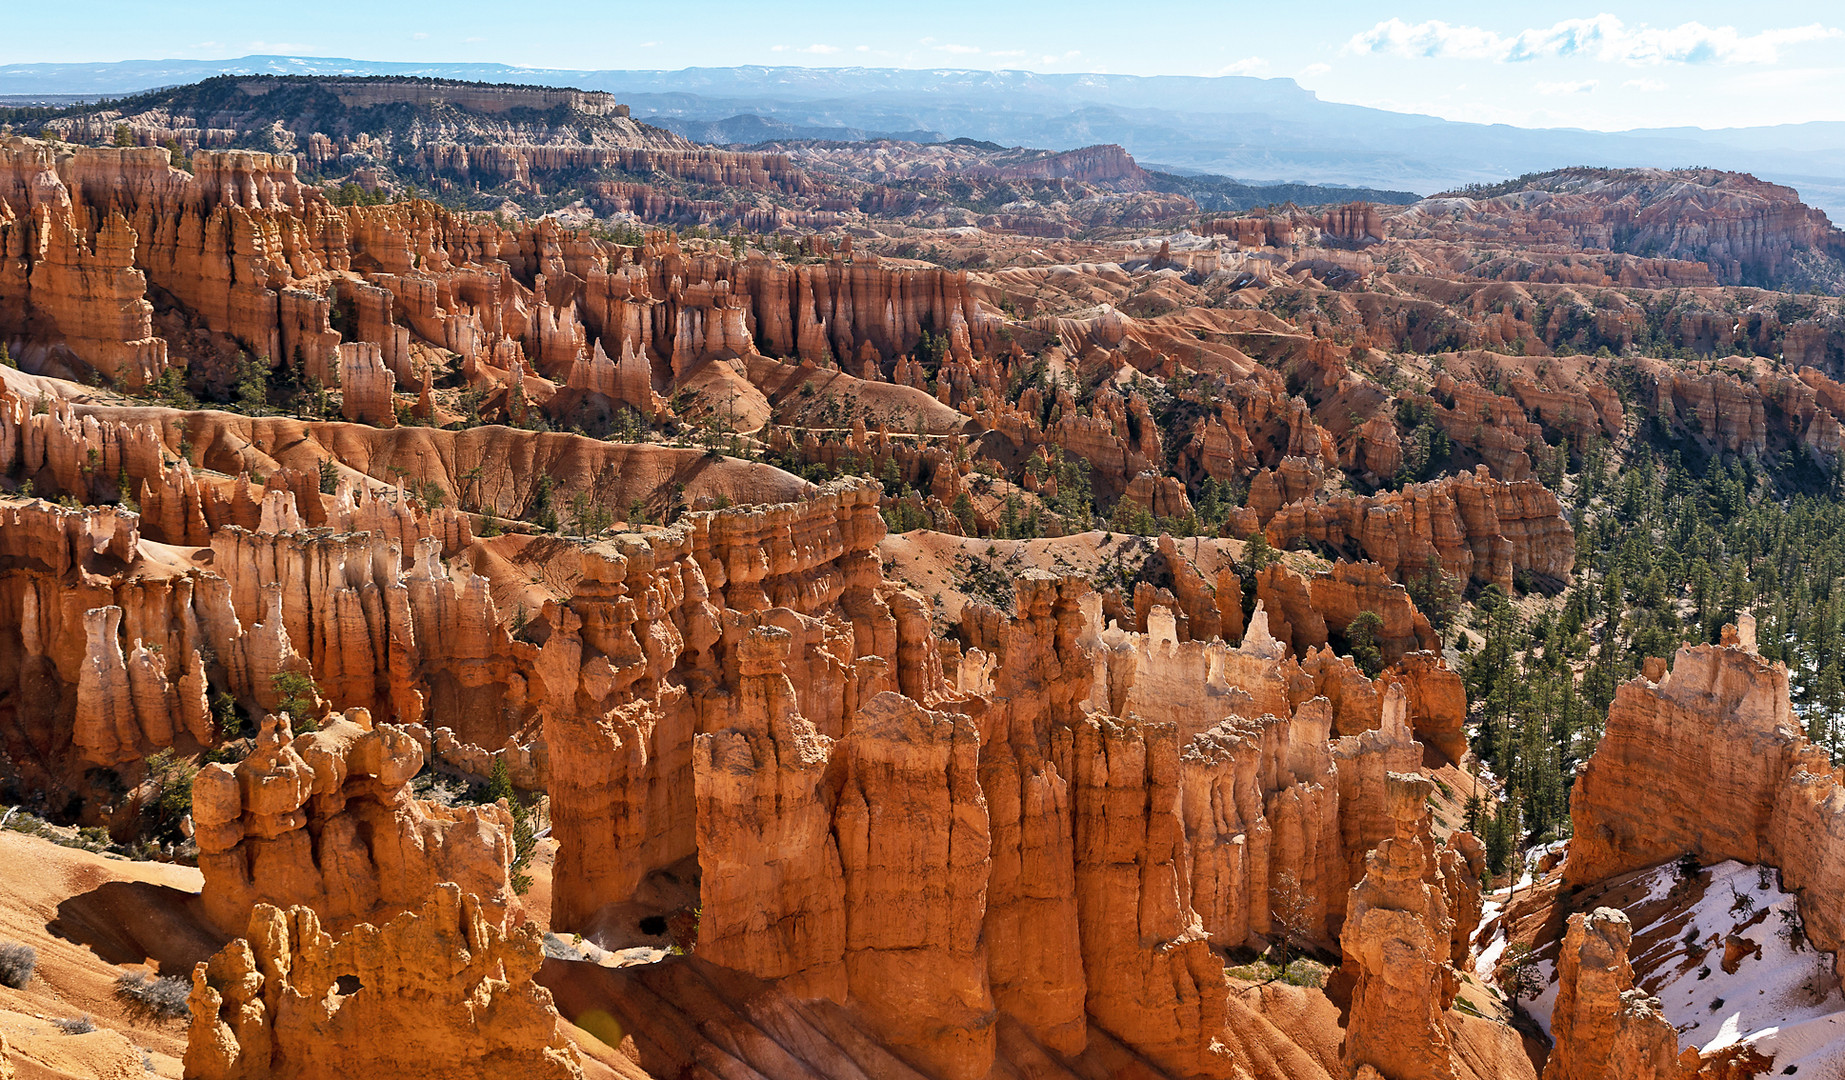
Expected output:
(1665, 556)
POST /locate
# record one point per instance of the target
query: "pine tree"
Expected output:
(525, 836)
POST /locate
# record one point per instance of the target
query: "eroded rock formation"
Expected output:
(1711, 761)
(1470, 526)
(323, 820)
(1399, 940)
(439, 990)
(1602, 1026)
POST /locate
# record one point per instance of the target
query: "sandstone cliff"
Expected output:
(1711, 761)
(439, 990)
(1602, 1026)
(323, 820)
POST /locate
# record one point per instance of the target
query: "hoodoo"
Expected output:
(493, 587)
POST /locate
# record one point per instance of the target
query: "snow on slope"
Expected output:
(1784, 1002)
(1781, 998)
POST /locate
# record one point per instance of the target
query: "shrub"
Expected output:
(1361, 637)
(16, 964)
(1791, 931)
(1299, 972)
(1519, 976)
(525, 835)
(225, 716)
(152, 998)
(171, 799)
(76, 1025)
(1741, 902)
(297, 694)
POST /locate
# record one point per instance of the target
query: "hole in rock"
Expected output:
(654, 925)
(347, 985)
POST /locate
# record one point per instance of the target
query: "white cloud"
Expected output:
(1603, 37)
(1007, 53)
(959, 50)
(1580, 86)
(1311, 70)
(1248, 65)
(1428, 40)
(862, 48)
(419, 36)
(817, 49)
(1645, 86)
(278, 47)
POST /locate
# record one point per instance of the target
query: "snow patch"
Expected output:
(1785, 1004)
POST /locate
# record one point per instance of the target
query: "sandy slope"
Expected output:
(92, 917)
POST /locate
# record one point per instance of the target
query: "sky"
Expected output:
(1601, 65)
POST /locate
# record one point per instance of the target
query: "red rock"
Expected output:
(1742, 227)
(1475, 527)
(771, 891)
(366, 386)
(324, 820)
(1164, 994)
(1437, 702)
(1711, 761)
(439, 982)
(915, 892)
(1398, 939)
(1603, 1027)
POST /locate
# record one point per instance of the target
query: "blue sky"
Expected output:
(1597, 65)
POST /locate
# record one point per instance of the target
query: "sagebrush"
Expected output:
(152, 998)
(17, 963)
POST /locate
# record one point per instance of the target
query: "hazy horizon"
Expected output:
(1605, 67)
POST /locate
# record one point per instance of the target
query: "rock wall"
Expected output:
(324, 820)
(1711, 761)
(252, 255)
(685, 602)
(915, 898)
(772, 892)
(86, 295)
(437, 990)
(514, 162)
(1747, 230)
(1164, 993)
(1474, 527)
(752, 653)
(1307, 613)
(366, 386)
(122, 645)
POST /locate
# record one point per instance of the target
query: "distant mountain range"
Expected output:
(1263, 130)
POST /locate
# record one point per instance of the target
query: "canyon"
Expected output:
(1046, 642)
